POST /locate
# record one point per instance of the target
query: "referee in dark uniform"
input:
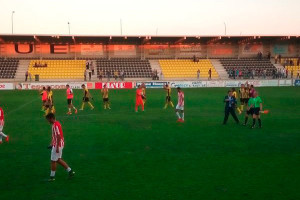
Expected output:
(230, 103)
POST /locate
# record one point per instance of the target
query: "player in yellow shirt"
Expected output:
(244, 96)
(168, 96)
(104, 92)
(49, 103)
(234, 94)
(86, 98)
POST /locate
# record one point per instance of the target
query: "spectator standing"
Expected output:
(122, 75)
(276, 59)
(108, 73)
(26, 76)
(265, 73)
(85, 74)
(279, 58)
(253, 73)
(198, 74)
(292, 73)
(90, 75)
(87, 65)
(93, 68)
(116, 73)
(269, 56)
(286, 73)
(209, 74)
(100, 74)
(241, 74)
(298, 62)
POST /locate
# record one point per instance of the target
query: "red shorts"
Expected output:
(139, 102)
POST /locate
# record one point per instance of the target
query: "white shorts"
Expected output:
(55, 156)
(179, 107)
(1, 128)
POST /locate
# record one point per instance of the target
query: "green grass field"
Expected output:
(120, 154)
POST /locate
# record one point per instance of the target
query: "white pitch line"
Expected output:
(22, 106)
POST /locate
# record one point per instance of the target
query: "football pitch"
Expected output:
(120, 154)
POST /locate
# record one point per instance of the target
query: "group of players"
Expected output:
(249, 99)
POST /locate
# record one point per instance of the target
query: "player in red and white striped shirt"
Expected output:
(180, 105)
(1, 127)
(57, 145)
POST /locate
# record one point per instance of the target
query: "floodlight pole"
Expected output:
(12, 22)
(121, 26)
(69, 25)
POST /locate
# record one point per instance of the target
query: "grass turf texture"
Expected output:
(120, 154)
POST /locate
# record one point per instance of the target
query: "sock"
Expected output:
(182, 116)
(136, 107)
(2, 134)
(242, 107)
(253, 124)
(90, 105)
(52, 173)
(68, 169)
(172, 104)
(74, 108)
(108, 106)
(142, 107)
(104, 106)
(69, 109)
(259, 122)
(238, 110)
(178, 115)
(246, 120)
(82, 105)
(166, 105)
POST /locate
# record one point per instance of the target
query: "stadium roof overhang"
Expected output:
(142, 40)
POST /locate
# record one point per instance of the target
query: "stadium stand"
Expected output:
(187, 68)
(290, 61)
(57, 69)
(8, 68)
(246, 65)
(132, 67)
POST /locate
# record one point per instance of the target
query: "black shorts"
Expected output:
(85, 99)
(105, 99)
(246, 100)
(143, 97)
(243, 100)
(168, 98)
(69, 101)
(256, 111)
(250, 111)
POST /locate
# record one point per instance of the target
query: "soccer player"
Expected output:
(251, 91)
(234, 94)
(57, 145)
(44, 98)
(70, 96)
(1, 127)
(230, 103)
(86, 98)
(139, 98)
(243, 97)
(180, 105)
(49, 103)
(104, 92)
(257, 102)
(168, 96)
(144, 92)
(250, 108)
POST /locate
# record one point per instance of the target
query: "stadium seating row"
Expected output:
(8, 68)
(187, 68)
(58, 69)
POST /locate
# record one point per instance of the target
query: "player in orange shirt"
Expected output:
(70, 96)
(139, 98)
(44, 99)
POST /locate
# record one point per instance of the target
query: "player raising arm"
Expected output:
(168, 96)
(104, 92)
(1, 127)
(86, 98)
(180, 105)
(57, 145)
(70, 96)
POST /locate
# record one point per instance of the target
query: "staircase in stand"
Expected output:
(20, 74)
(220, 69)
